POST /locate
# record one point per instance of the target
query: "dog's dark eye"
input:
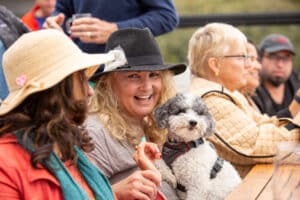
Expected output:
(200, 112)
(200, 109)
(178, 111)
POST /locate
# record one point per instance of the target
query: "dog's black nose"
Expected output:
(193, 123)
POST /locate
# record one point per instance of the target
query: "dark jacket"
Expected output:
(264, 101)
(159, 16)
(10, 27)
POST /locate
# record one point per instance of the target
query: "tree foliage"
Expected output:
(174, 45)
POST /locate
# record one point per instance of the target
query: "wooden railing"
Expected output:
(241, 19)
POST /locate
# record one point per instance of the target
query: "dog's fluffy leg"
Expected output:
(166, 173)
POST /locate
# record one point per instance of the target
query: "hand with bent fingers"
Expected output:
(145, 155)
(92, 30)
(54, 22)
(140, 185)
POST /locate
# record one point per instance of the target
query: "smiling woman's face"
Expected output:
(137, 92)
(254, 68)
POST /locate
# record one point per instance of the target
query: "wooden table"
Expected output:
(258, 183)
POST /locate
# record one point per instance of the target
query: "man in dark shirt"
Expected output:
(279, 81)
(91, 33)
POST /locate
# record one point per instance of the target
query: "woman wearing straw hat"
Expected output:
(121, 110)
(42, 145)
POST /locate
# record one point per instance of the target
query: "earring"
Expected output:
(217, 73)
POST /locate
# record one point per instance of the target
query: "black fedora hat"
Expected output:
(141, 50)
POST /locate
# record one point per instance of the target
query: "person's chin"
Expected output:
(242, 83)
(145, 111)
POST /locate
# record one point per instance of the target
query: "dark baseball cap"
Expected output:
(276, 42)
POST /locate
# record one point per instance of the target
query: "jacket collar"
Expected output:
(8, 138)
(33, 174)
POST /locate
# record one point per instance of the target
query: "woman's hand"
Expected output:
(143, 183)
(140, 185)
(145, 155)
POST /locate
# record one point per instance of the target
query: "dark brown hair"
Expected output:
(54, 117)
(257, 51)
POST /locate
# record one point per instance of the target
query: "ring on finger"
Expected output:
(89, 34)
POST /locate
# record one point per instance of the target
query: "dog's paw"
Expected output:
(172, 181)
(166, 173)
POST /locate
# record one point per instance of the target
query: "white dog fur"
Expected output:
(188, 119)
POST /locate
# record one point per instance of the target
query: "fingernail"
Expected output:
(157, 149)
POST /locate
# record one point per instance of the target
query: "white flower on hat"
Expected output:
(120, 59)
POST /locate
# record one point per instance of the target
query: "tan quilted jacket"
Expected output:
(243, 135)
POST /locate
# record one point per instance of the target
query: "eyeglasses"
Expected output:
(252, 59)
(242, 58)
(276, 58)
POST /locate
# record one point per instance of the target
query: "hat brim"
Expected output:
(279, 48)
(176, 69)
(47, 79)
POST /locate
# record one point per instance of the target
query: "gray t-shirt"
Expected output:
(115, 158)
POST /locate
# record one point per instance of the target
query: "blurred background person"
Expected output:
(252, 75)
(91, 33)
(10, 29)
(278, 81)
(253, 82)
(36, 17)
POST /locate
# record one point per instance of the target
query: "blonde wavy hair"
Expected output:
(212, 40)
(105, 104)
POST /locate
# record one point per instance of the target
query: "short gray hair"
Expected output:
(212, 40)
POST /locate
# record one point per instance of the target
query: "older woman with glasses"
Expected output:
(218, 61)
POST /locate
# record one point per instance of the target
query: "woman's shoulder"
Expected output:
(96, 129)
(10, 148)
(93, 120)
(200, 85)
(9, 143)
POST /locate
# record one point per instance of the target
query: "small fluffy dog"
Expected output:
(190, 163)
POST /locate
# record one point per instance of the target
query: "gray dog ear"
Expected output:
(161, 116)
(201, 107)
(211, 129)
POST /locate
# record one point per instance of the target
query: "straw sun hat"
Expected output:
(39, 60)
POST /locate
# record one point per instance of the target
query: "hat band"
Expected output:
(33, 85)
(145, 60)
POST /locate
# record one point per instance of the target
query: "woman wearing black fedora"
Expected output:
(121, 112)
(43, 144)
